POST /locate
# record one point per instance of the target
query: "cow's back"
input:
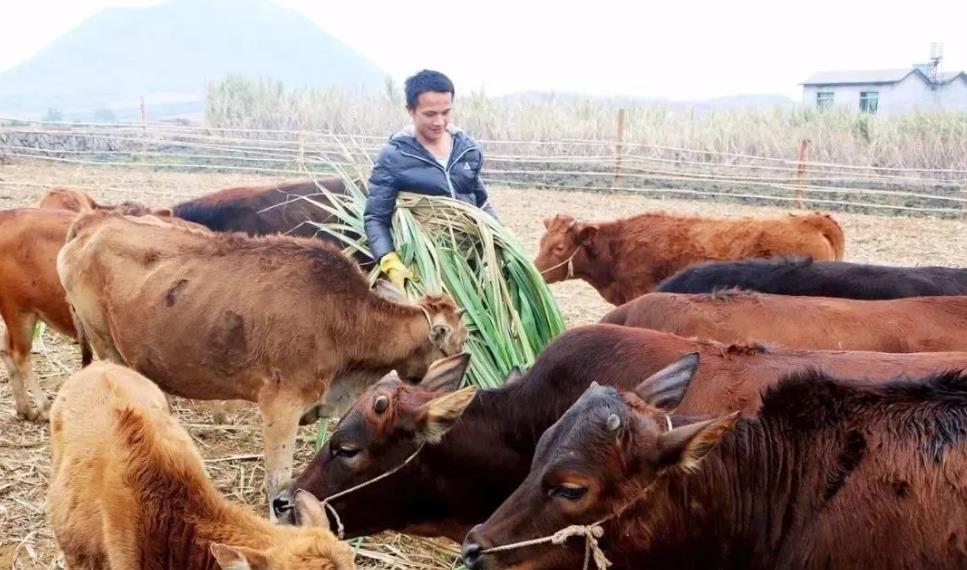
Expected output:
(733, 377)
(264, 210)
(805, 277)
(923, 324)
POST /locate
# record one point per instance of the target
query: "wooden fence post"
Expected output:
(801, 172)
(963, 205)
(144, 132)
(619, 147)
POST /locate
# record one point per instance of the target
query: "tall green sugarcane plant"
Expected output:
(458, 249)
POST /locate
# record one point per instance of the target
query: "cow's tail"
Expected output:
(87, 355)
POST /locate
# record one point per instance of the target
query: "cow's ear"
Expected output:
(587, 233)
(441, 413)
(446, 374)
(685, 447)
(238, 557)
(666, 388)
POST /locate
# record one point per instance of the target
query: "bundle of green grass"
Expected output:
(458, 249)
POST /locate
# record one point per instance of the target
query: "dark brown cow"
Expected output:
(449, 487)
(830, 474)
(627, 258)
(288, 208)
(916, 324)
(275, 320)
(30, 291)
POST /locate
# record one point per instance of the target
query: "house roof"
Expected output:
(863, 76)
(949, 76)
(875, 76)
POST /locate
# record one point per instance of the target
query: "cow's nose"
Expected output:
(473, 556)
(284, 507)
(473, 551)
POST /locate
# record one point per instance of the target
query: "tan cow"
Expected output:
(626, 258)
(273, 320)
(128, 490)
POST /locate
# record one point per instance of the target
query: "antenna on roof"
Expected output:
(936, 56)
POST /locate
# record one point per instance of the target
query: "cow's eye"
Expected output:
(569, 491)
(344, 450)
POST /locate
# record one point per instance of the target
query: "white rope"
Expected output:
(570, 264)
(592, 533)
(325, 502)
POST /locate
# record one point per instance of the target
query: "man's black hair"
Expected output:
(425, 81)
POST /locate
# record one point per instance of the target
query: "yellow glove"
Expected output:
(395, 271)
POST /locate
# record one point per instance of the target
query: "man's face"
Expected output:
(432, 114)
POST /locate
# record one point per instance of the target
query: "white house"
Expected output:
(887, 91)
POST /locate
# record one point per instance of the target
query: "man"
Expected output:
(429, 157)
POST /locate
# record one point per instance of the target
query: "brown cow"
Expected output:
(273, 320)
(830, 474)
(128, 489)
(30, 291)
(916, 324)
(61, 198)
(627, 258)
(449, 487)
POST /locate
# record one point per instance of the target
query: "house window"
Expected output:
(869, 101)
(824, 99)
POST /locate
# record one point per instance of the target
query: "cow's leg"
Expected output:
(281, 409)
(28, 397)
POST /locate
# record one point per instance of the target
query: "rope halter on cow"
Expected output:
(325, 502)
(569, 261)
(592, 533)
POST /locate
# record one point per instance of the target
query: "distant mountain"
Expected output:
(169, 52)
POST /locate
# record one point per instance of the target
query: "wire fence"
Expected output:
(573, 164)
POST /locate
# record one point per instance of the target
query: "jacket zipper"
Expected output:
(446, 171)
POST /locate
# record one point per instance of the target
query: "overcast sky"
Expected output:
(675, 49)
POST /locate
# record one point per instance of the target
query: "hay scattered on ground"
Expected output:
(233, 452)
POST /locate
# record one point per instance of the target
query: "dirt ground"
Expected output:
(233, 452)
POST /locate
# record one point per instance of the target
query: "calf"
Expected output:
(128, 489)
(830, 474)
(627, 258)
(273, 320)
(805, 277)
(916, 324)
(450, 486)
(30, 291)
